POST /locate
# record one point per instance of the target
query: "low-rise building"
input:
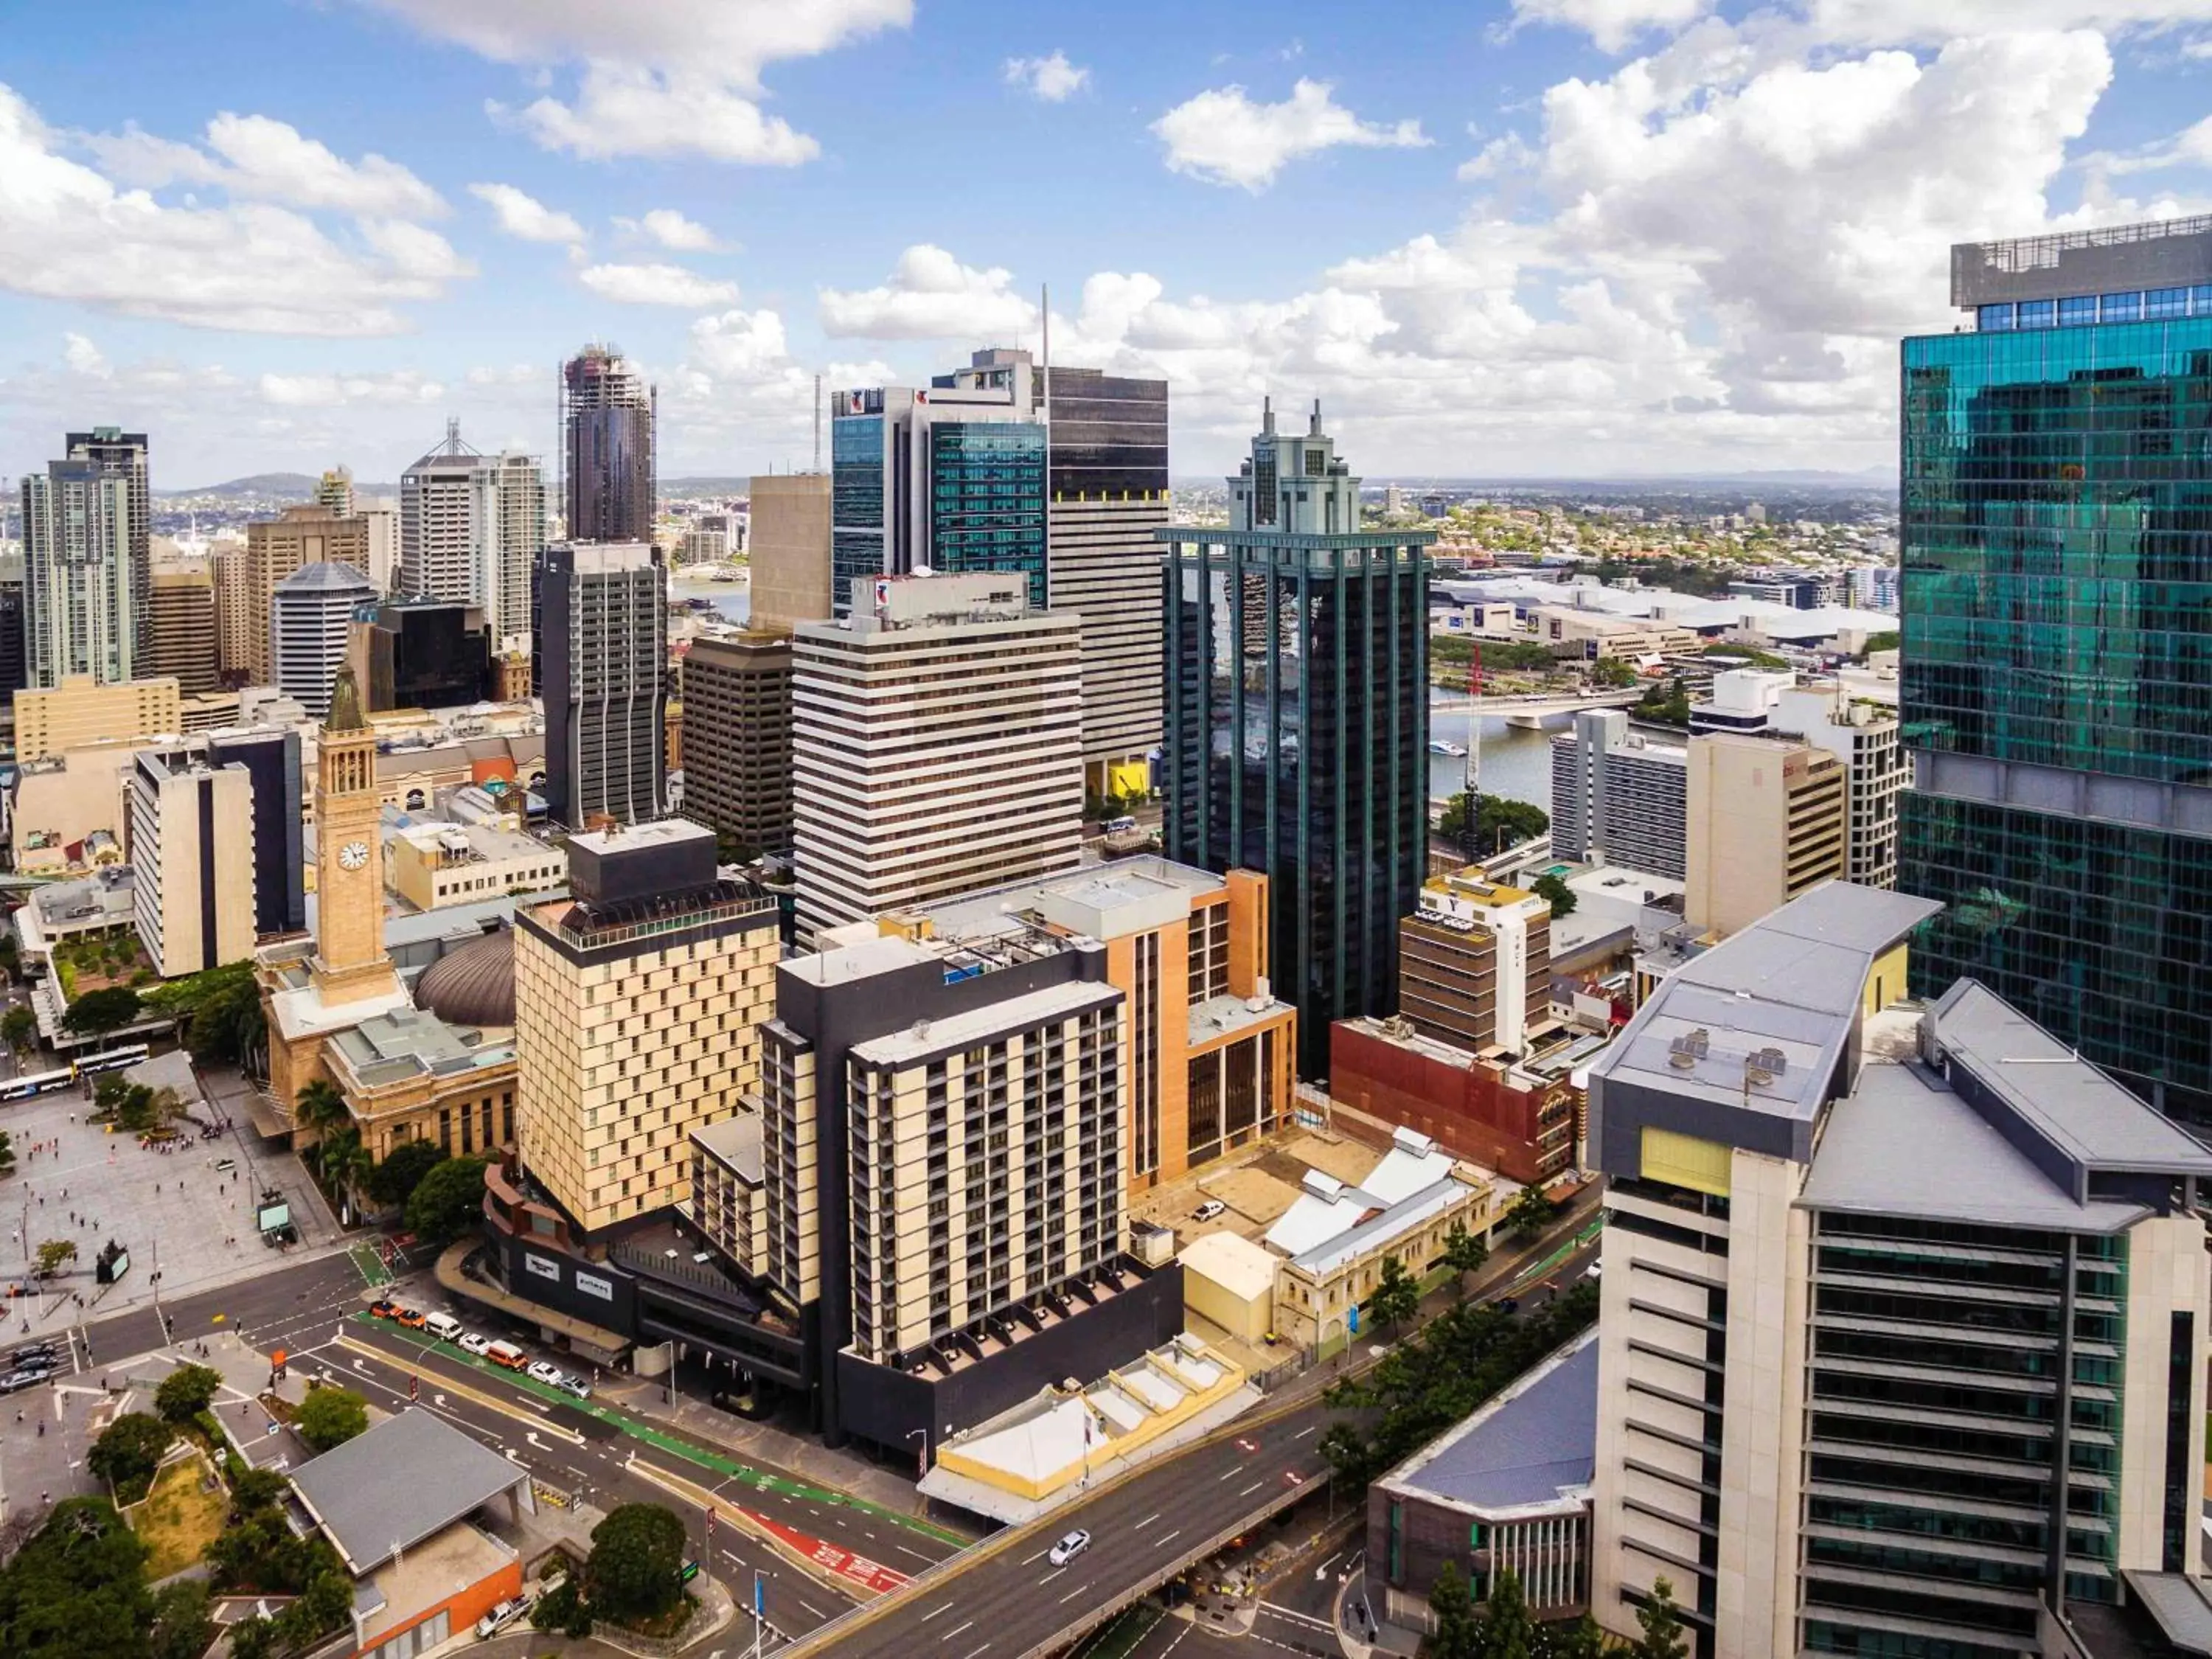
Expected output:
(409, 1075)
(80, 711)
(1474, 963)
(1595, 633)
(1478, 1106)
(436, 864)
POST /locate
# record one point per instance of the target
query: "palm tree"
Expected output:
(319, 1107)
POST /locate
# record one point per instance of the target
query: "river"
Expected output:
(1515, 764)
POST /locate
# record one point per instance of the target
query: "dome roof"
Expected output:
(474, 985)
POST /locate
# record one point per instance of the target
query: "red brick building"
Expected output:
(1474, 1108)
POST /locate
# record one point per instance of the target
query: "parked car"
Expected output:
(412, 1318)
(1069, 1547)
(1209, 1210)
(32, 1353)
(573, 1385)
(26, 1377)
(470, 1342)
(544, 1372)
(384, 1308)
(502, 1616)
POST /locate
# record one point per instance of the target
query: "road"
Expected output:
(1006, 1598)
(598, 1453)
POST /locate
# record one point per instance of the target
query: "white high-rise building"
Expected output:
(470, 526)
(937, 745)
(310, 620)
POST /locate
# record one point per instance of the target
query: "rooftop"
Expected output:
(930, 1036)
(735, 1141)
(1533, 1446)
(401, 1481)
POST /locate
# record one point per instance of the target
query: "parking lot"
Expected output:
(187, 1214)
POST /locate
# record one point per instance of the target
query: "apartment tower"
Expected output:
(471, 526)
(192, 846)
(736, 736)
(181, 640)
(1618, 796)
(605, 616)
(1297, 720)
(121, 455)
(81, 592)
(275, 550)
(607, 415)
(1768, 820)
(311, 620)
(936, 745)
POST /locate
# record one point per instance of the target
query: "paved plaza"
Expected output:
(182, 1213)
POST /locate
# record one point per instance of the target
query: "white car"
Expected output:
(501, 1617)
(470, 1342)
(1069, 1547)
(545, 1373)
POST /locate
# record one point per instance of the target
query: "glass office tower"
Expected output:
(1298, 721)
(2057, 687)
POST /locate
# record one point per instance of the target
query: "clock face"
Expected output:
(354, 854)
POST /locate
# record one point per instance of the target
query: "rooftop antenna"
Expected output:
(1266, 415)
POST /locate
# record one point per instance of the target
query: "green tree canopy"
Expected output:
(1661, 1624)
(1396, 1298)
(128, 1452)
(99, 1012)
(1459, 1629)
(186, 1392)
(330, 1417)
(635, 1567)
(319, 1106)
(394, 1180)
(19, 1028)
(1464, 1254)
(1555, 893)
(448, 1200)
(183, 1627)
(218, 1013)
(1496, 824)
(1612, 674)
(1533, 1210)
(77, 1589)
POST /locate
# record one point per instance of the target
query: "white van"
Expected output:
(443, 1326)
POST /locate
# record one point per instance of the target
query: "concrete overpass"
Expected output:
(1529, 712)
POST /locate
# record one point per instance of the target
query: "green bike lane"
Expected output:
(646, 1433)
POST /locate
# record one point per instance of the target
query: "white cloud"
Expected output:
(398, 386)
(1052, 79)
(85, 358)
(931, 295)
(656, 285)
(1226, 137)
(2190, 147)
(523, 216)
(657, 78)
(1878, 22)
(671, 230)
(72, 235)
(1612, 23)
(256, 158)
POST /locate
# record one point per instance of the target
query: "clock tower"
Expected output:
(350, 963)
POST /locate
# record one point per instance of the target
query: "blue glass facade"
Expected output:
(857, 521)
(2057, 593)
(987, 499)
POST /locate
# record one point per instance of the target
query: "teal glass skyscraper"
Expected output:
(2056, 686)
(1298, 721)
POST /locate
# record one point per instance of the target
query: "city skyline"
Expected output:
(278, 274)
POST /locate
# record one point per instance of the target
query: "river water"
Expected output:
(1516, 764)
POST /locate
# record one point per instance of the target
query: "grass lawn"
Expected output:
(178, 1521)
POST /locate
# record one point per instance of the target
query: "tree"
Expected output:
(7, 1154)
(128, 1452)
(1464, 1254)
(449, 1200)
(97, 1012)
(1396, 1298)
(1660, 1623)
(186, 1392)
(319, 1106)
(343, 1160)
(254, 1637)
(77, 1589)
(1532, 1211)
(394, 1180)
(218, 1014)
(1459, 1629)
(1508, 1630)
(319, 1609)
(1611, 673)
(52, 1253)
(19, 1028)
(1555, 893)
(256, 1490)
(182, 1626)
(1580, 1640)
(635, 1572)
(330, 1417)
(1886, 641)
(1496, 823)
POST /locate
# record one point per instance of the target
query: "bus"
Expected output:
(112, 1060)
(36, 1082)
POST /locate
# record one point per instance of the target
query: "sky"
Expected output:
(1495, 238)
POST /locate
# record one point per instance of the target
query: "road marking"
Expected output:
(918, 1556)
(1040, 1555)
(1228, 1474)
(1296, 1617)
(954, 1631)
(1139, 1526)
(1170, 1538)
(1247, 1490)
(1306, 1431)
(1057, 1572)
(1078, 1591)
(810, 1607)
(974, 1651)
(927, 1617)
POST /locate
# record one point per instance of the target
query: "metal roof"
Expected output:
(399, 1482)
(1535, 1444)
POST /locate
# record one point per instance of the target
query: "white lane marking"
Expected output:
(1078, 1591)
(1170, 1538)
(1304, 1432)
(1146, 1521)
(956, 1630)
(927, 1617)
(918, 1556)
(1247, 1490)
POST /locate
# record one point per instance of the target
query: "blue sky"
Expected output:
(1591, 236)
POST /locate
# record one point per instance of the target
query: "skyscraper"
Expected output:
(277, 548)
(192, 846)
(1297, 720)
(270, 755)
(334, 493)
(182, 639)
(79, 591)
(120, 454)
(471, 527)
(936, 746)
(1109, 493)
(311, 617)
(605, 616)
(607, 413)
(736, 737)
(2056, 642)
(950, 478)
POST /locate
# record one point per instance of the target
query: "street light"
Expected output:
(924, 1432)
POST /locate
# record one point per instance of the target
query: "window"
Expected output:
(1989, 319)
(2038, 314)
(2167, 302)
(2076, 312)
(2121, 308)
